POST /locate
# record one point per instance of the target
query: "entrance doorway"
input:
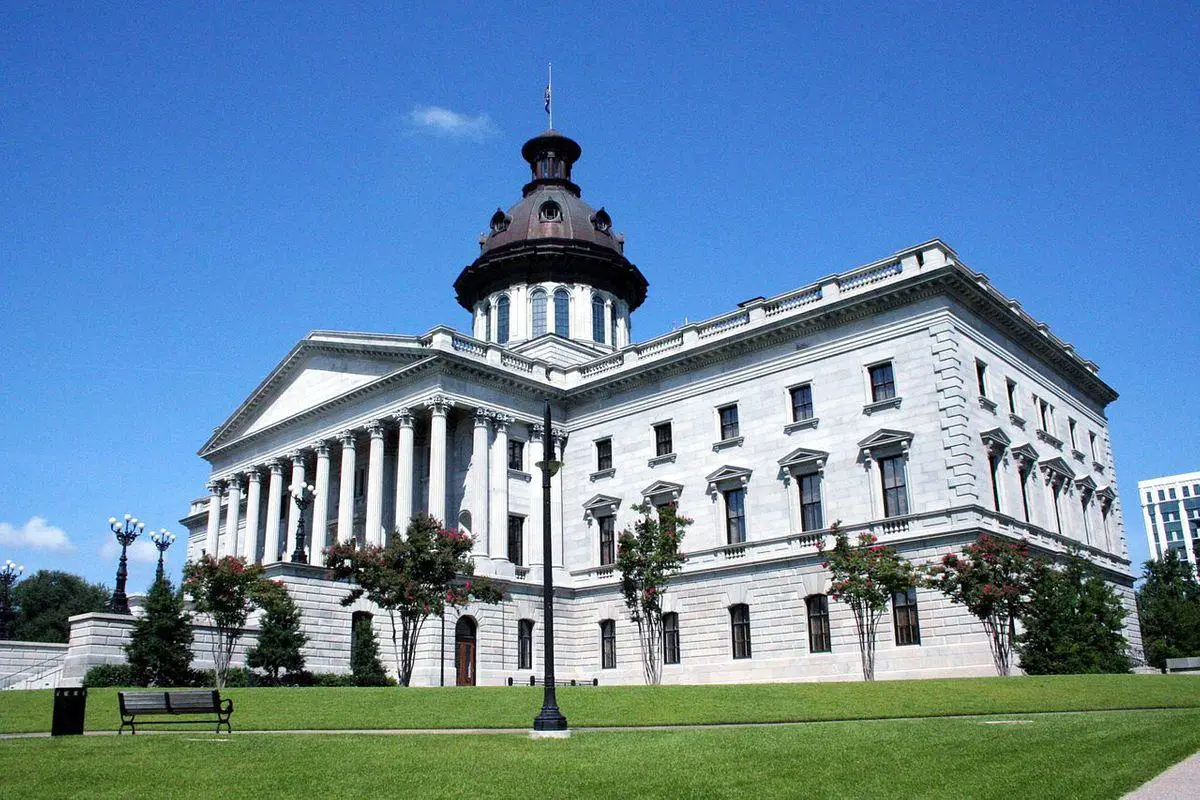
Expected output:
(464, 651)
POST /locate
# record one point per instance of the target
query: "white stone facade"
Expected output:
(386, 426)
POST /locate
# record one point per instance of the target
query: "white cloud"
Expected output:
(444, 122)
(36, 534)
(142, 551)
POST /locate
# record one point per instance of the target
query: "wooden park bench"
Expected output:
(135, 705)
(536, 681)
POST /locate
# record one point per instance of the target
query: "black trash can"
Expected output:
(69, 705)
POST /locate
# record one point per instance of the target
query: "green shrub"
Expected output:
(110, 675)
(235, 678)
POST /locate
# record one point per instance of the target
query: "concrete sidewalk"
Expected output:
(1180, 782)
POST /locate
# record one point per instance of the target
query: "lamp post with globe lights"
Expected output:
(162, 539)
(126, 531)
(549, 721)
(9, 574)
(302, 495)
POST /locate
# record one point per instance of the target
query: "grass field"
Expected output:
(1095, 755)
(515, 707)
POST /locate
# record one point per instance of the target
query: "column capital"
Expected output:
(483, 417)
(375, 429)
(403, 417)
(347, 438)
(216, 487)
(254, 476)
(536, 431)
(296, 455)
(560, 434)
(502, 421)
(439, 404)
(235, 483)
(321, 447)
(276, 466)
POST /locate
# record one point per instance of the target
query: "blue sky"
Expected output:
(189, 189)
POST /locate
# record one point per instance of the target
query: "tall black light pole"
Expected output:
(303, 496)
(8, 578)
(550, 720)
(126, 531)
(162, 539)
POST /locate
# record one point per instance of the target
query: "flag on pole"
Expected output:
(547, 98)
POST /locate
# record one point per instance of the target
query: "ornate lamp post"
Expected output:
(8, 578)
(550, 721)
(302, 495)
(162, 539)
(126, 531)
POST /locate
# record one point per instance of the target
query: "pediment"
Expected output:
(1086, 483)
(321, 369)
(802, 457)
(728, 473)
(995, 437)
(601, 505)
(554, 349)
(885, 437)
(1025, 452)
(659, 488)
(1059, 466)
(1106, 493)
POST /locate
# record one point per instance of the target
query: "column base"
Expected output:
(563, 734)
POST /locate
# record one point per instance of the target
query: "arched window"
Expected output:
(739, 618)
(608, 644)
(525, 644)
(670, 623)
(538, 302)
(487, 322)
(562, 313)
(597, 318)
(502, 320)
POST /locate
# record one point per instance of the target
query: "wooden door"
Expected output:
(464, 652)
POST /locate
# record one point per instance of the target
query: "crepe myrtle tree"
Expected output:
(992, 579)
(228, 590)
(864, 576)
(421, 573)
(647, 558)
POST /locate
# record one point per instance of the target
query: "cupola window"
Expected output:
(538, 305)
(597, 318)
(562, 313)
(601, 221)
(502, 320)
(550, 212)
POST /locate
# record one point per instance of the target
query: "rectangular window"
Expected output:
(895, 490)
(662, 439)
(1171, 492)
(1092, 445)
(1024, 474)
(670, 638)
(735, 516)
(525, 644)
(608, 644)
(811, 518)
(981, 377)
(883, 383)
(1071, 431)
(1161, 495)
(516, 539)
(739, 617)
(729, 422)
(904, 613)
(516, 455)
(360, 482)
(1010, 386)
(603, 455)
(1045, 415)
(802, 405)
(608, 540)
(994, 472)
(818, 623)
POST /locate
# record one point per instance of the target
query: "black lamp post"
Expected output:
(126, 531)
(303, 497)
(8, 578)
(550, 720)
(162, 539)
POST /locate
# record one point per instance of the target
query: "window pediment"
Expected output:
(1025, 453)
(662, 488)
(1086, 484)
(995, 439)
(885, 438)
(1056, 467)
(601, 505)
(728, 476)
(802, 457)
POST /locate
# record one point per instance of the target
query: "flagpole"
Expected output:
(550, 93)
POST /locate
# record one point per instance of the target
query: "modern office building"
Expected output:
(907, 397)
(1171, 513)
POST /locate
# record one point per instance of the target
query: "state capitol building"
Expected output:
(907, 397)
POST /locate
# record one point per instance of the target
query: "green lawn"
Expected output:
(1078, 756)
(504, 707)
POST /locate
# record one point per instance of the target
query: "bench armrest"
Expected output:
(227, 706)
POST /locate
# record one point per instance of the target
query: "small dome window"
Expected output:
(500, 222)
(601, 221)
(550, 212)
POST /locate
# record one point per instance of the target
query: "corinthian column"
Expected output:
(214, 518)
(498, 528)
(479, 482)
(293, 516)
(404, 468)
(345, 523)
(439, 407)
(374, 531)
(274, 497)
(253, 503)
(320, 519)
(231, 516)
